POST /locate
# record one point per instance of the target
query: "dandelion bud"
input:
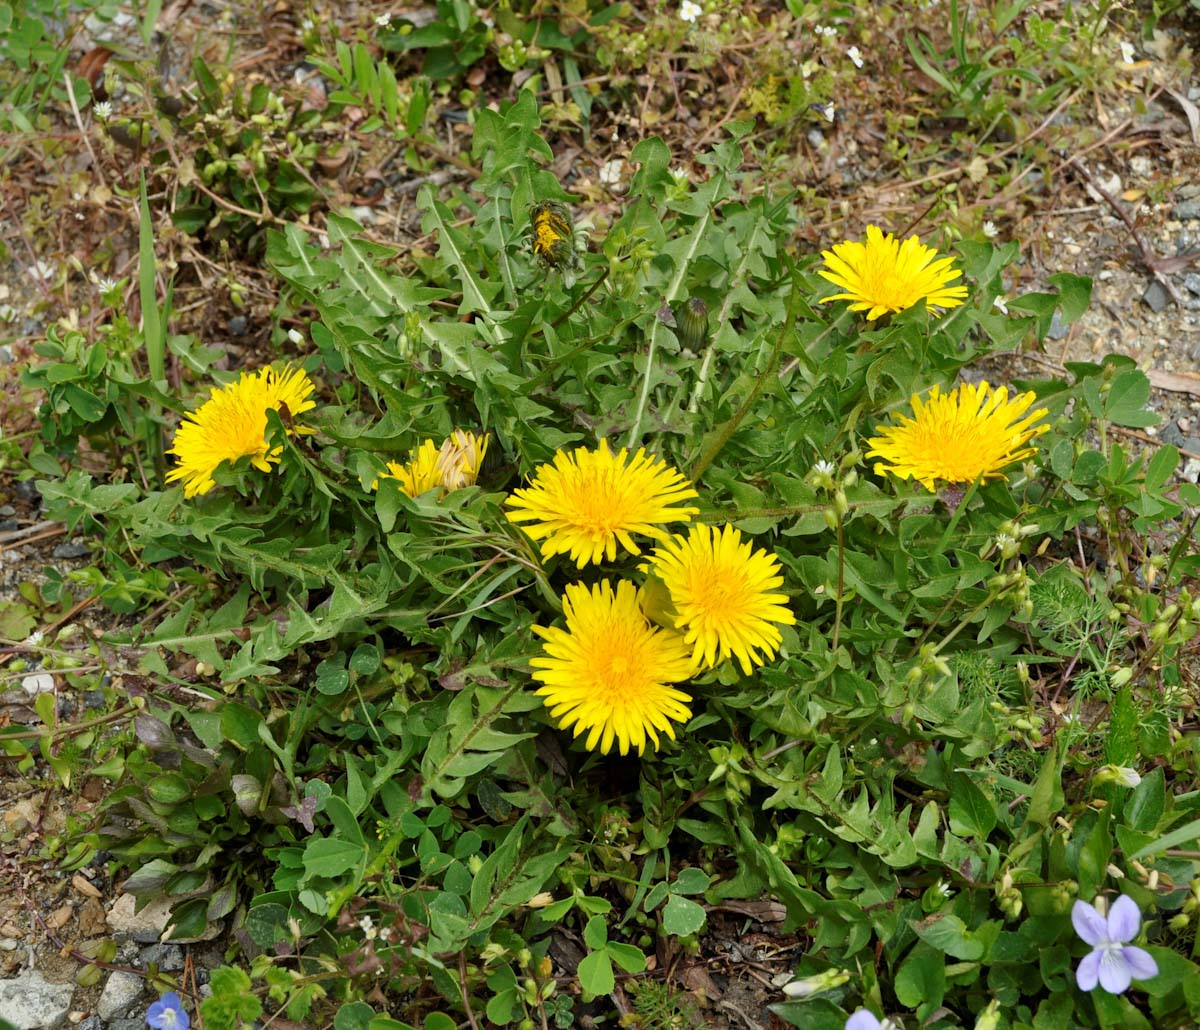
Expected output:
(692, 327)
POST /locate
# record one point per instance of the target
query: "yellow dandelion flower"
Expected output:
(420, 473)
(885, 275)
(971, 432)
(587, 501)
(724, 595)
(452, 466)
(608, 673)
(460, 458)
(232, 424)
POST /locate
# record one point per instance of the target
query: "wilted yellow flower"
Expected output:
(723, 593)
(552, 235)
(971, 432)
(460, 458)
(587, 501)
(608, 673)
(452, 466)
(232, 424)
(883, 274)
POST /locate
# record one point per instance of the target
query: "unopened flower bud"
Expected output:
(810, 985)
(692, 324)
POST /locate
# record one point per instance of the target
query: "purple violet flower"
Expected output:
(167, 1013)
(864, 1020)
(1111, 964)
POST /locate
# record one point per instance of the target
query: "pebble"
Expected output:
(29, 1002)
(1058, 328)
(1187, 210)
(38, 683)
(71, 549)
(120, 992)
(1192, 282)
(6, 355)
(145, 926)
(168, 957)
(1191, 471)
(1155, 297)
(237, 325)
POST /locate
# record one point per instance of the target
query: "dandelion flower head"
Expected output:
(970, 432)
(609, 673)
(586, 502)
(883, 274)
(725, 597)
(232, 424)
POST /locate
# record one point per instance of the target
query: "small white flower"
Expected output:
(1001, 304)
(307, 25)
(680, 176)
(944, 889)
(1126, 52)
(367, 925)
(990, 230)
(34, 639)
(43, 271)
(102, 110)
(105, 286)
(824, 468)
(828, 31)
(385, 933)
(855, 56)
(383, 21)
(295, 337)
(689, 10)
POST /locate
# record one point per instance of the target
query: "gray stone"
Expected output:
(127, 1024)
(168, 957)
(237, 325)
(28, 1002)
(71, 549)
(6, 355)
(121, 991)
(1058, 328)
(1192, 282)
(91, 1023)
(1187, 210)
(1155, 297)
(146, 926)
(1191, 471)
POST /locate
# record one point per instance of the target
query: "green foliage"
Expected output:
(371, 789)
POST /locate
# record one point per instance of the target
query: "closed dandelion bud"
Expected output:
(692, 324)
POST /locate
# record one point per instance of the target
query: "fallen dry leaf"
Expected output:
(84, 886)
(59, 918)
(1175, 382)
